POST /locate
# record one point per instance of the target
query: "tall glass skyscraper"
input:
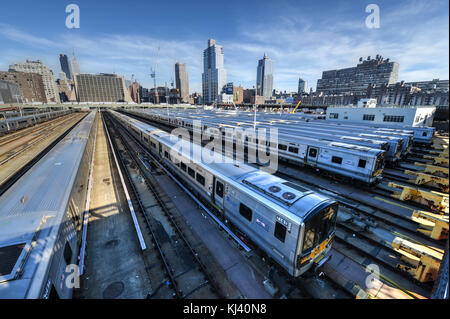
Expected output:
(214, 75)
(65, 66)
(301, 86)
(264, 77)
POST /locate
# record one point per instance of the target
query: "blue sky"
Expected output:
(303, 38)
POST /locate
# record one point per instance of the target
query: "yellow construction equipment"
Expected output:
(422, 262)
(298, 104)
(435, 200)
(420, 178)
(433, 225)
(440, 161)
(434, 170)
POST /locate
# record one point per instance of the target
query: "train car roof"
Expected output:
(25, 117)
(33, 207)
(291, 139)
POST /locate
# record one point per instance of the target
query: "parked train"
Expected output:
(391, 155)
(291, 224)
(16, 123)
(41, 219)
(422, 134)
(393, 150)
(351, 161)
(391, 145)
(404, 138)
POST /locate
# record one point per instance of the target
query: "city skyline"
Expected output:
(303, 43)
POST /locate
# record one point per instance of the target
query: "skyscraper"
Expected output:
(51, 90)
(214, 75)
(76, 66)
(65, 66)
(264, 77)
(301, 86)
(182, 81)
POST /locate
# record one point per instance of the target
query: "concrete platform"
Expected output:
(114, 263)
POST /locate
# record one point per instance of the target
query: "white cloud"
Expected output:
(415, 35)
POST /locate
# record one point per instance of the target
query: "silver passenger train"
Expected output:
(407, 138)
(41, 219)
(348, 160)
(291, 224)
(16, 123)
(404, 138)
(392, 145)
(422, 134)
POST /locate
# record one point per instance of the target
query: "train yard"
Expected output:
(387, 224)
(392, 222)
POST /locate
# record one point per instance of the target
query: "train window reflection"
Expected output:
(280, 232)
(219, 189)
(362, 163)
(246, 212)
(312, 152)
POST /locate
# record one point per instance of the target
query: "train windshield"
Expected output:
(399, 145)
(379, 163)
(319, 227)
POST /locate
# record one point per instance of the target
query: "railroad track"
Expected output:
(11, 137)
(37, 135)
(185, 275)
(13, 177)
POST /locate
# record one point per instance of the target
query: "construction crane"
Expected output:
(298, 104)
(153, 76)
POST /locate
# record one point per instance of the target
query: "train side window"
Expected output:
(280, 232)
(200, 179)
(166, 154)
(191, 172)
(219, 189)
(246, 212)
(183, 166)
(312, 152)
(282, 147)
(67, 253)
(336, 159)
(293, 149)
(362, 163)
